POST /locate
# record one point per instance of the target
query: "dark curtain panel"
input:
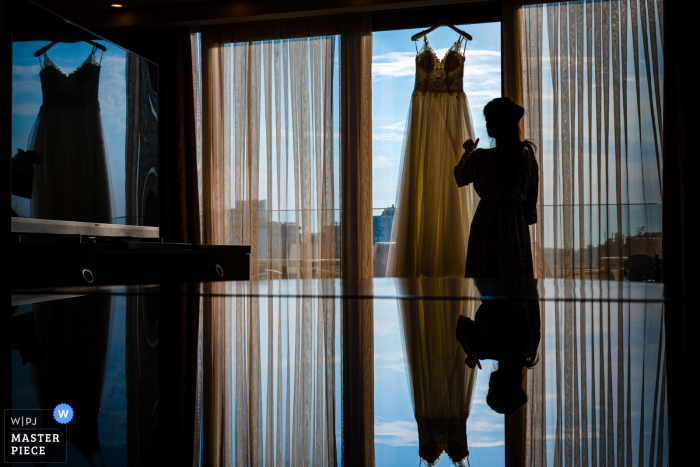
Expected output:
(179, 192)
(678, 52)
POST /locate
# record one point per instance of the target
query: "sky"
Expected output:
(27, 99)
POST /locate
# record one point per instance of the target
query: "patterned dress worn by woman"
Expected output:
(499, 241)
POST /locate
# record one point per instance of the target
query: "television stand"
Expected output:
(61, 263)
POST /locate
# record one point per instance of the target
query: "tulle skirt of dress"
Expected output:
(432, 218)
(72, 182)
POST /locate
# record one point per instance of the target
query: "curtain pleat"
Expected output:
(599, 216)
(179, 206)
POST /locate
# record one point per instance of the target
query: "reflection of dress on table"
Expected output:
(429, 239)
(72, 183)
(73, 340)
(441, 384)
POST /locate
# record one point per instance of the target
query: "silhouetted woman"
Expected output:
(506, 178)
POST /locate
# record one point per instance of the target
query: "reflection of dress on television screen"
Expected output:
(72, 183)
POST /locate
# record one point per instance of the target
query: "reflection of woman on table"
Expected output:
(508, 332)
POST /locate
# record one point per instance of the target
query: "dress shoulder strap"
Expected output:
(458, 45)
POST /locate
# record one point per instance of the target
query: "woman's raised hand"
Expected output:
(470, 145)
(472, 362)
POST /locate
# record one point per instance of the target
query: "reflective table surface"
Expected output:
(381, 288)
(581, 362)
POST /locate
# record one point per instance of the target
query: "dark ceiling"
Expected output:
(91, 6)
(99, 15)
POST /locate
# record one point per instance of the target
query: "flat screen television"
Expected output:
(84, 154)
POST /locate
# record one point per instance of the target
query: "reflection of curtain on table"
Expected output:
(598, 396)
(269, 378)
(591, 86)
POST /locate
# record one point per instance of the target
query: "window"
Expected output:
(393, 76)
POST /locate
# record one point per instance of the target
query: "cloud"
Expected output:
(394, 126)
(113, 92)
(399, 64)
(396, 367)
(29, 70)
(388, 356)
(387, 136)
(486, 444)
(405, 433)
(382, 328)
(394, 64)
(382, 162)
(27, 108)
(396, 433)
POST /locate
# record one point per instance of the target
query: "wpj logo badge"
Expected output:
(37, 435)
(63, 413)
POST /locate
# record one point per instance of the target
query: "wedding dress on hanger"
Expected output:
(429, 240)
(432, 218)
(72, 183)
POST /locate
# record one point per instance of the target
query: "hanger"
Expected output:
(47, 47)
(440, 23)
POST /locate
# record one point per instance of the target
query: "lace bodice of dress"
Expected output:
(440, 435)
(435, 75)
(79, 87)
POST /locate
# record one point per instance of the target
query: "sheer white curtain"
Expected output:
(592, 75)
(269, 156)
(269, 180)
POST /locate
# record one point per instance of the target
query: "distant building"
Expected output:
(287, 246)
(381, 228)
(381, 225)
(618, 257)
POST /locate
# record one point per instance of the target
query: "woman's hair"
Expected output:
(505, 385)
(505, 388)
(502, 117)
(530, 362)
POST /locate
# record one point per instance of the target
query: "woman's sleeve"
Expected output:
(465, 171)
(533, 183)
